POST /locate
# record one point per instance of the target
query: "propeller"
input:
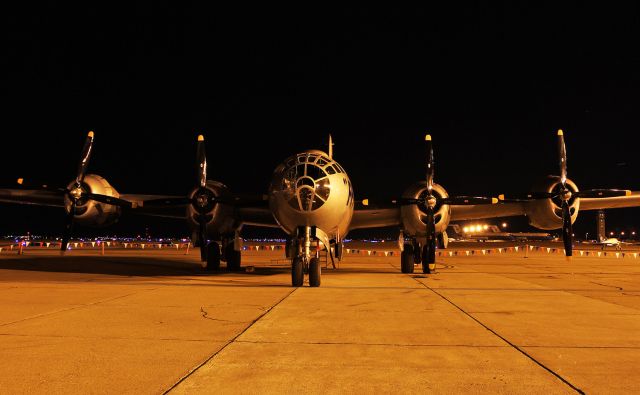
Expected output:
(565, 194)
(76, 192)
(203, 198)
(430, 201)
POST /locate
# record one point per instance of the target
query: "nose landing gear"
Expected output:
(303, 260)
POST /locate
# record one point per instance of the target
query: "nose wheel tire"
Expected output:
(314, 272)
(297, 273)
(407, 259)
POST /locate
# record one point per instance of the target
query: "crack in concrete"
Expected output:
(195, 369)
(205, 315)
(606, 285)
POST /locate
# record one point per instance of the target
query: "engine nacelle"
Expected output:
(92, 213)
(414, 216)
(220, 218)
(547, 213)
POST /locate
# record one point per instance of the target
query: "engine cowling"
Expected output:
(220, 218)
(92, 213)
(547, 213)
(414, 215)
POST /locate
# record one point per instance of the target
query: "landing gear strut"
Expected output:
(213, 256)
(233, 257)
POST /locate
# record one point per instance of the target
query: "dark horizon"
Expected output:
(490, 84)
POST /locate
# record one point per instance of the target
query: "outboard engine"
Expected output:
(90, 212)
(547, 213)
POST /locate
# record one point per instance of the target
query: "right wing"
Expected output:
(484, 211)
(632, 200)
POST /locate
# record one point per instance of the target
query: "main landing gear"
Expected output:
(228, 253)
(303, 261)
(413, 253)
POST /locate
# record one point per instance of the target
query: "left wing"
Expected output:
(38, 197)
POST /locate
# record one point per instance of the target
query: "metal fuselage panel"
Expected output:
(310, 189)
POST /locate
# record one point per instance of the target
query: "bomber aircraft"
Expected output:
(311, 199)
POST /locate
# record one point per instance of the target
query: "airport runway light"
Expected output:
(621, 233)
(611, 233)
(504, 224)
(633, 233)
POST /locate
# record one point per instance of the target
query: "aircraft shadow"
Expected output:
(119, 266)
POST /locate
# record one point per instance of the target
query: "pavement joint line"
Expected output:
(232, 340)
(76, 307)
(371, 344)
(514, 346)
(109, 338)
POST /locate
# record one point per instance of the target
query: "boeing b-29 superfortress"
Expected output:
(312, 200)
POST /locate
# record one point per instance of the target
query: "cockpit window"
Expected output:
(315, 172)
(305, 186)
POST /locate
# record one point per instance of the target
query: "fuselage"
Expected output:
(311, 189)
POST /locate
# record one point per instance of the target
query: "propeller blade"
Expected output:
(406, 201)
(429, 255)
(201, 162)
(202, 236)
(68, 227)
(108, 200)
(84, 158)
(172, 201)
(430, 163)
(567, 232)
(469, 200)
(562, 151)
(602, 193)
(525, 197)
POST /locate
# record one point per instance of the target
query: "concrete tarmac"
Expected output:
(152, 322)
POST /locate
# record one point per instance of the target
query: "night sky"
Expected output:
(492, 86)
